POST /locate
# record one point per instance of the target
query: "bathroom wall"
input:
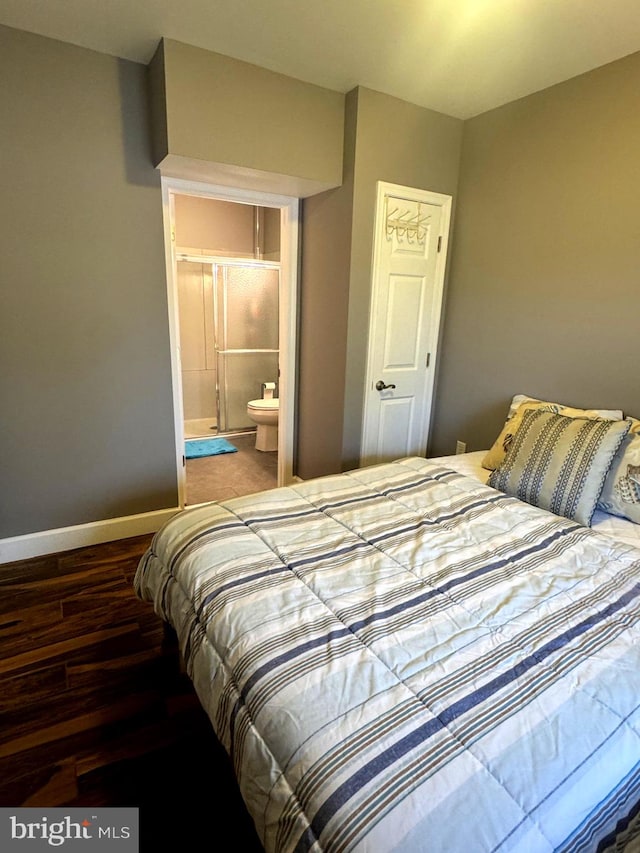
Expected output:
(271, 234)
(212, 227)
(197, 351)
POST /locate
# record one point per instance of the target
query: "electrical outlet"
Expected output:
(461, 447)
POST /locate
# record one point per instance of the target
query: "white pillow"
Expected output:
(621, 491)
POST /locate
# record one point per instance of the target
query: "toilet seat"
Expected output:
(268, 405)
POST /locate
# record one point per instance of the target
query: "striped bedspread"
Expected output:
(402, 658)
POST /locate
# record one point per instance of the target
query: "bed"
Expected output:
(403, 657)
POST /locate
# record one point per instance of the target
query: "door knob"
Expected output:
(380, 386)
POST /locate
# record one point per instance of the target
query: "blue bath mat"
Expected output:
(198, 447)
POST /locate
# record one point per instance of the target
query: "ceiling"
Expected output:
(460, 57)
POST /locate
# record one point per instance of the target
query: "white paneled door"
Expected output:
(410, 244)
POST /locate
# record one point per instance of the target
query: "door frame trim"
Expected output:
(445, 202)
(288, 309)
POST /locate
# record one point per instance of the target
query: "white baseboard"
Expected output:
(78, 536)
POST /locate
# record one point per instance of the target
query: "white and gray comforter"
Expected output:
(402, 658)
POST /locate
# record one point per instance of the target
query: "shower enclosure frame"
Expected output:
(288, 307)
(221, 347)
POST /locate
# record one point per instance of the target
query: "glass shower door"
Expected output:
(247, 337)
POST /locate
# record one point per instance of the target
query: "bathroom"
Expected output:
(227, 261)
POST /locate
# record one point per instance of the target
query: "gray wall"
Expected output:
(249, 119)
(542, 296)
(544, 285)
(386, 139)
(403, 144)
(85, 382)
(324, 309)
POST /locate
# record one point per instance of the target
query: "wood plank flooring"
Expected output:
(94, 709)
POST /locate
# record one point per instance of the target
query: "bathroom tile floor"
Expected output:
(200, 428)
(215, 478)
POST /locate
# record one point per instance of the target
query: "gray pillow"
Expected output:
(559, 463)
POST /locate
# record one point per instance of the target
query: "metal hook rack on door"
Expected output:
(406, 224)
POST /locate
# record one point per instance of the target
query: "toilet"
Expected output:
(264, 413)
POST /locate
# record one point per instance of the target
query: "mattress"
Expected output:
(400, 658)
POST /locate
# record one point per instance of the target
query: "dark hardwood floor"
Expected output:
(95, 711)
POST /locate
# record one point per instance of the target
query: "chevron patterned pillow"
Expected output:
(560, 463)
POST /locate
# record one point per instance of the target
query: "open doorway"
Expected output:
(228, 279)
(232, 265)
